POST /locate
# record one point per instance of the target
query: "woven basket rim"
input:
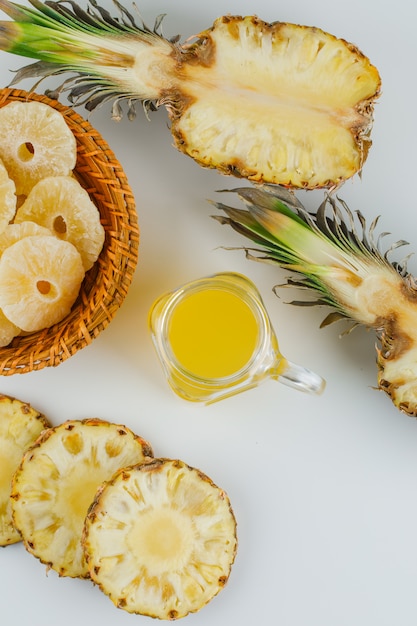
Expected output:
(106, 284)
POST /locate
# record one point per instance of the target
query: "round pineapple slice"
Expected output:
(20, 425)
(40, 278)
(35, 142)
(62, 205)
(160, 539)
(7, 197)
(57, 480)
(15, 232)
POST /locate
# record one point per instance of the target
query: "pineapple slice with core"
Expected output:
(20, 425)
(62, 205)
(7, 198)
(160, 539)
(40, 278)
(15, 232)
(57, 480)
(35, 142)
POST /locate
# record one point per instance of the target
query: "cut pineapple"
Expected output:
(160, 539)
(62, 205)
(277, 103)
(20, 425)
(35, 142)
(15, 232)
(56, 482)
(40, 278)
(7, 198)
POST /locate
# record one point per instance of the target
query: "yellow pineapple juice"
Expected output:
(214, 339)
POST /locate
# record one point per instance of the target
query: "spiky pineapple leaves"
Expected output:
(339, 257)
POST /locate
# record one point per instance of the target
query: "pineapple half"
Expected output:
(345, 266)
(160, 539)
(56, 482)
(20, 425)
(278, 103)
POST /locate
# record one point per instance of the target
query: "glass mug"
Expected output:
(214, 339)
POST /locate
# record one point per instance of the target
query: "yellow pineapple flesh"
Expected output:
(277, 103)
(57, 480)
(60, 204)
(20, 425)
(7, 198)
(35, 142)
(15, 232)
(40, 278)
(160, 539)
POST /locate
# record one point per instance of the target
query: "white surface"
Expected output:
(323, 488)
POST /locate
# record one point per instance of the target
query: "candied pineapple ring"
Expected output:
(7, 197)
(35, 142)
(8, 330)
(15, 232)
(56, 482)
(20, 425)
(40, 278)
(62, 205)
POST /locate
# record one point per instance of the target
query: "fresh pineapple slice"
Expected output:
(7, 197)
(57, 480)
(277, 103)
(40, 278)
(20, 425)
(160, 539)
(35, 142)
(15, 232)
(62, 205)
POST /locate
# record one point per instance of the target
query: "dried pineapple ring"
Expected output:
(35, 142)
(160, 539)
(15, 232)
(8, 330)
(40, 278)
(62, 205)
(20, 425)
(56, 482)
(7, 197)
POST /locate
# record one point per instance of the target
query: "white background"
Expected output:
(323, 488)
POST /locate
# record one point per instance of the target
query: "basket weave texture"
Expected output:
(107, 282)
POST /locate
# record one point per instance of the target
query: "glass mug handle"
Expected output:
(298, 377)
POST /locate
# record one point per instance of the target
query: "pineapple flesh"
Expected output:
(277, 103)
(160, 539)
(60, 204)
(35, 142)
(20, 425)
(56, 482)
(40, 278)
(340, 259)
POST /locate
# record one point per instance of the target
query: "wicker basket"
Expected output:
(106, 284)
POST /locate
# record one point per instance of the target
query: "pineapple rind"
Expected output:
(20, 425)
(56, 483)
(160, 539)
